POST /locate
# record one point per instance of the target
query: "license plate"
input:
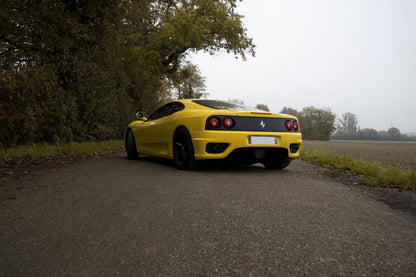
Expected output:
(262, 140)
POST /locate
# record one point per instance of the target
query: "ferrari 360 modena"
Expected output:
(192, 130)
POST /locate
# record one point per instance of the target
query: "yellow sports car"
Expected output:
(188, 131)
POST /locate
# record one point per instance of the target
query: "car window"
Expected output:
(176, 107)
(156, 114)
(167, 110)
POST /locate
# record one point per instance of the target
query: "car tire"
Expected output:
(276, 163)
(131, 149)
(183, 150)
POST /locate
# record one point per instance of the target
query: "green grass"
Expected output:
(371, 173)
(39, 152)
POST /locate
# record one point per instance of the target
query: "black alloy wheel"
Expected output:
(131, 149)
(183, 150)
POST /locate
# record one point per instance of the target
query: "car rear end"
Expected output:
(248, 136)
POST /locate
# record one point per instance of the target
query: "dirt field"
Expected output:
(397, 154)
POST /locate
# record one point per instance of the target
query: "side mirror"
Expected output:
(140, 116)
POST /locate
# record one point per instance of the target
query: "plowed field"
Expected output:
(397, 154)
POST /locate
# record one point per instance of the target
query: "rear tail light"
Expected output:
(228, 122)
(295, 125)
(288, 125)
(214, 122)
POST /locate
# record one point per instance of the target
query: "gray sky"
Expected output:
(354, 56)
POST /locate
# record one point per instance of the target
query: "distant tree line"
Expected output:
(78, 70)
(392, 134)
(322, 124)
(348, 129)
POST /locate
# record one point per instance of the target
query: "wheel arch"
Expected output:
(179, 127)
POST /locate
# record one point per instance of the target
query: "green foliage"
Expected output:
(59, 82)
(158, 35)
(372, 173)
(78, 70)
(394, 133)
(316, 124)
(287, 110)
(187, 83)
(38, 152)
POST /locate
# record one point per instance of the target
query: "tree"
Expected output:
(349, 122)
(159, 35)
(76, 70)
(316, 124)
(59, 79)
(188, 83)
(394, 133)
(290, 111)
(263, 107)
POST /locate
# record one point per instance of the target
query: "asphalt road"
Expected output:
(115, 217)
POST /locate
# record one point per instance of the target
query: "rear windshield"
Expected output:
(223, 105)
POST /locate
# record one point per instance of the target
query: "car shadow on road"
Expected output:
(209, 165)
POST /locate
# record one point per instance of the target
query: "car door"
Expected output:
(157, 131)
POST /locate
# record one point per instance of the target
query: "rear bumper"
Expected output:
(237, 140)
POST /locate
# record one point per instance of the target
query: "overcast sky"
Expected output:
(354, 56)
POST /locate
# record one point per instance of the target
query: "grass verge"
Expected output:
(370, 172)
(39, 152)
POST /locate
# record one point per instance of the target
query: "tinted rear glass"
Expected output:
(223, 105)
